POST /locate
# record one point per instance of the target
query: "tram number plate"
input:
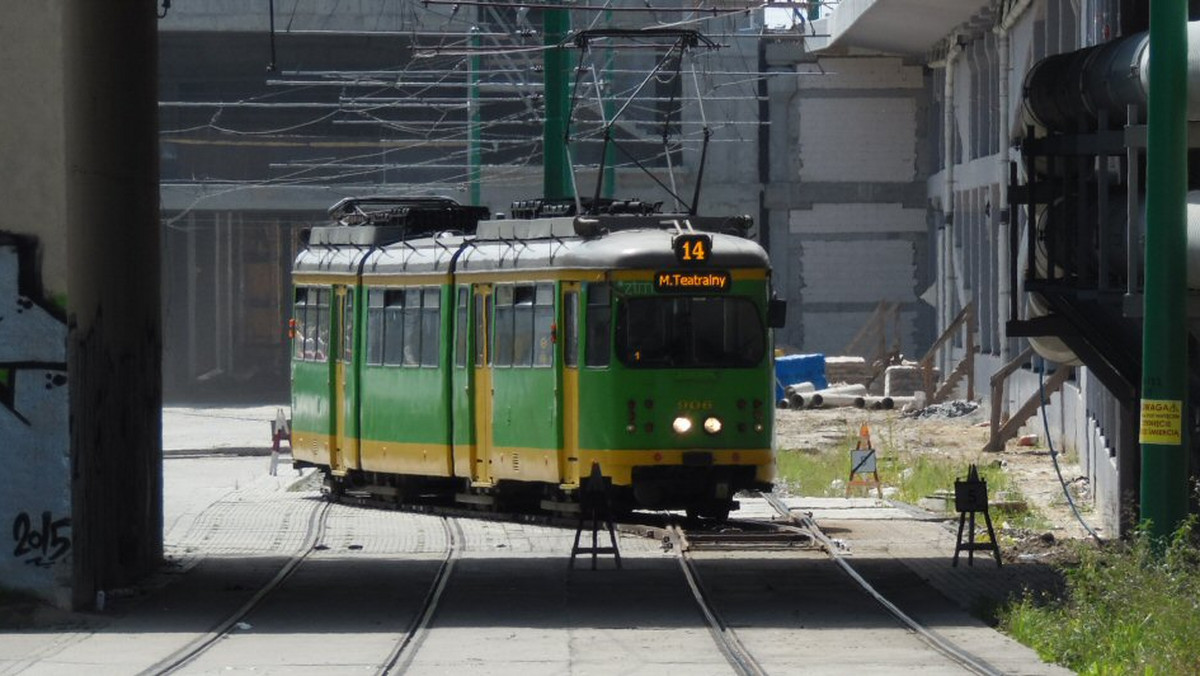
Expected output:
(697, 459)
(692, 248)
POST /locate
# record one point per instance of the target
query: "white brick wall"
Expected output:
(858, 271)
(858, 139)
(856, 218)
(829, 332)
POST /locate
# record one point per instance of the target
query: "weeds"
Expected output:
(1128, 609)
(914, 475)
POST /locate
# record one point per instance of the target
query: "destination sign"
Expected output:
(692, 249)
(676, 281)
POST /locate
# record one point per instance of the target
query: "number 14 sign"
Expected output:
(692, 248)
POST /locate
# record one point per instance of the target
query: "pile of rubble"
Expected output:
(948, 409)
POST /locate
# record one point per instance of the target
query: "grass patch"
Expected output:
(812, 472)
(823, 473)
(1127, 609)
(914, 475)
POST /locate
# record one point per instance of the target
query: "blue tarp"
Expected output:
(799, 368)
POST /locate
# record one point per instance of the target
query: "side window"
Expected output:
(480, 324)
(348, 326)
(543, 326)
(431, 325)
(502, 353)
(523, 297)
(412, 327)
(299, 322)
(571, 334)
(460, 327)
(393, 332)
(599, 324)
(321, 348)
(375, 326)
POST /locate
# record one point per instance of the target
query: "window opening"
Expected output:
(431, 325)
(393, 332)
(571, 330)
(375, 326)
(460, 327)
(599, 324)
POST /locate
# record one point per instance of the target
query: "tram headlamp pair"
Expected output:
(683, 425)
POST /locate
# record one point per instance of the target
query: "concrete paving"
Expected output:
(512, 606)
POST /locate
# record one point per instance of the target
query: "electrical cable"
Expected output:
(1054, 455)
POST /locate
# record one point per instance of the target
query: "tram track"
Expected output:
(203, 643)
(936, 641)
(406, 648)
(735, 652)
(407, 642)
(796, 531)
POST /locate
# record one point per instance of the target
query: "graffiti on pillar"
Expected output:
(41, 544)
(35, 504)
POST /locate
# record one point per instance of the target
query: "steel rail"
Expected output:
(728, 643)
(200, 645)
(401, 657)
(930, 637)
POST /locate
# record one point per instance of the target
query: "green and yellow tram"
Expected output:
(439, 352)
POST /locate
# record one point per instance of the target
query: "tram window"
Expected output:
(321, 347)
(393, 333)
(375, 324)
(502, 352)
(571, 319)
(689, 332)
(348, 326)
(431, 325)
(299, 322)
(599, 323)
(460, 328)
(412, 327)
(543, 326)
(523, 297)
(480, 326)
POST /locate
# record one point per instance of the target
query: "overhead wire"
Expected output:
(445, 127)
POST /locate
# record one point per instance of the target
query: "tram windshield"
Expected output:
(689, 332)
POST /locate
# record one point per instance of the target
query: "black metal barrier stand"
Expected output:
(594, 504)
(970, 497)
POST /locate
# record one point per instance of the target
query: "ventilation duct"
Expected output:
(1069, 92)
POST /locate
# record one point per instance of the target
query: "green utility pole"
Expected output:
(1163, 434)
(610, 109)
(556, 181)
(474, 133)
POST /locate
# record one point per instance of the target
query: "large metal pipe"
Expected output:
(1070, 92)
(1054, 349)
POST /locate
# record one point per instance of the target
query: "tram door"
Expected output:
(482, 386)
(344, 401)
(569, 458)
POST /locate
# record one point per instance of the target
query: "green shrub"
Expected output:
(1128, 608)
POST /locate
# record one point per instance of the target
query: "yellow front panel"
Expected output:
(618, 465)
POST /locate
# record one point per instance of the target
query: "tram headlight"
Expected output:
(712, 425)
(682, 425)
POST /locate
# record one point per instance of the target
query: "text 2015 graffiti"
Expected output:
(47, 544)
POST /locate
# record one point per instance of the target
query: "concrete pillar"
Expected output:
(114, 334)
(35, 498)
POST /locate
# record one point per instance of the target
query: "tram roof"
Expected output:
(613, 242)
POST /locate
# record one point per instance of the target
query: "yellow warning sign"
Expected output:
(1162, 420)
